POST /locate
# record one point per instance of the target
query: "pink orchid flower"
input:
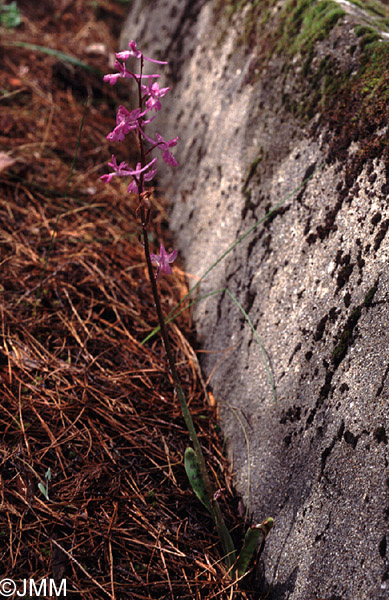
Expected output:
(122, 72)
(133, 186)
(164, 146)
(154, 92)
(123, 170)
(163, 261)
(126, 121)
(135, 53)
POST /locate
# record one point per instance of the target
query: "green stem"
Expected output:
(224, 535)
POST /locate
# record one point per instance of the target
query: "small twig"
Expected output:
(69, 555)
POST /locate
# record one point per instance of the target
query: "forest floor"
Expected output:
(93, 488)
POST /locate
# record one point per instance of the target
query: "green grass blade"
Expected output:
(246, 437)
(225, 537)
(257, 338)
(57, 53)
(167, 320)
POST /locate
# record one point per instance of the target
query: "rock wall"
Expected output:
(267, 98)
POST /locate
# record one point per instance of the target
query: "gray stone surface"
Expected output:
(313, 278)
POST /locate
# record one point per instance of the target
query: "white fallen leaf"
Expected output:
(99, 49)
(5, 161)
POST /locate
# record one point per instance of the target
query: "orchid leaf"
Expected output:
(251, 539)
(196, 480)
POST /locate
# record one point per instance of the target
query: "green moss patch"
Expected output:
(356, 108)
(376, 8)
(352, 101)
(300, 23)
(303, 23)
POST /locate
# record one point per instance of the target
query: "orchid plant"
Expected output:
(149, 96)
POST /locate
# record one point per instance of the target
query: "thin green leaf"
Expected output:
(265, 359)
(57, 53)
(225, 537)
(167, 320)
(246, 437)
(196, 480)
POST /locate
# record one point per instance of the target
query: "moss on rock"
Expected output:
(356, 108)
(350, 93)
(303, 23)
(376, 9)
